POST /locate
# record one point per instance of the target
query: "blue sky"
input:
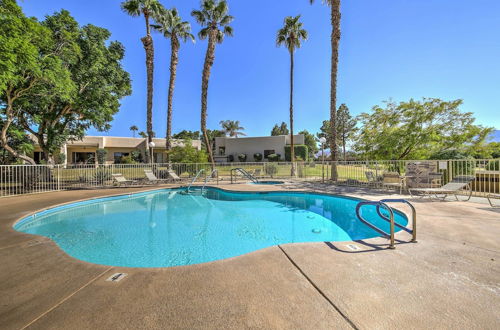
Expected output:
(395, 49)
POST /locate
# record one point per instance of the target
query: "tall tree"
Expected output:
(280, 130)
(417, 129)
(187, 135)
(29, 58)
(149, 9)
(174, 28)
(133, 129)
(214, 19)
(94, 66)
(291, 35)
(334, 39)
(310, 142)
(346, 127)
(232, 128)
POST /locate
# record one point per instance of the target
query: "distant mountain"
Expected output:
(494, 136)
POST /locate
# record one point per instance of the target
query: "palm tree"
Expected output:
(149, 9)
(232, 128)
(214, 19)
(291, 36)
(335, 39)
(133, 129)
(172, 27)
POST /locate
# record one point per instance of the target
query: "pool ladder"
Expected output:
(207, 178)
(194, 179)
(244, 173)
(383, 204)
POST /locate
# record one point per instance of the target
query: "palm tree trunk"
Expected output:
(174, 60)
(147, 42)
(343, 146)
(207, 66)
(335, 38)
(292, 147)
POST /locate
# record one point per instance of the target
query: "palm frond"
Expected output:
(228, 31)
(131, 7)
(203, 34)
(199, 17)
(292, 34)
(226, 20)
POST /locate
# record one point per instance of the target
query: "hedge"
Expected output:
(301, 151)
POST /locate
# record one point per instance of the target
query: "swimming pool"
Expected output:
(165, 228)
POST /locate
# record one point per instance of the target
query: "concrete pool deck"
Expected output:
(449, 279)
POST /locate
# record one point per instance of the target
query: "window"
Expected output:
(268, 152)
(38, 156)
(118, 156)
(222, 151)
(159, 157)
(83, 158)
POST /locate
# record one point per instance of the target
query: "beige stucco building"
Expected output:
(84, 151)
(227, 147)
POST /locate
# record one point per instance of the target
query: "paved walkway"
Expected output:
(449, 280)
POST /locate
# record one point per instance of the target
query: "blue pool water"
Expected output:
(167, 228)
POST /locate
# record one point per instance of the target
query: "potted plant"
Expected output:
(257, 157)
(242, 158)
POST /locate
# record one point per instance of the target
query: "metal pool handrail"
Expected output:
(389, 235)
(413, 230)
(245, 173)
(195, 178)
(215, 171)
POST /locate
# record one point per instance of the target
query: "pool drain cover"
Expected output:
(353, 247)
(116, 277)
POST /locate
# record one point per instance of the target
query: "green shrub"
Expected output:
(242, 157)
(102, 175)
(450, 154)
(301, 151)
(271, 169)
(127, 160)
(187, 154)
(60, 158)
(274, 157)
(137, 156)
(101, 156)
(257, 156)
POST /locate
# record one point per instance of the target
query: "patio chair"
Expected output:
(490, 197)
(121, 180)
(453, 187)
(173, 175)
(393, 180)
(372, 180)
(151, 177)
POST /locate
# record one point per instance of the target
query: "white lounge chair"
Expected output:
(490, 197)
(151, 177)
(173, 175)
(453, 187)
(121, 180)
(393, 180)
